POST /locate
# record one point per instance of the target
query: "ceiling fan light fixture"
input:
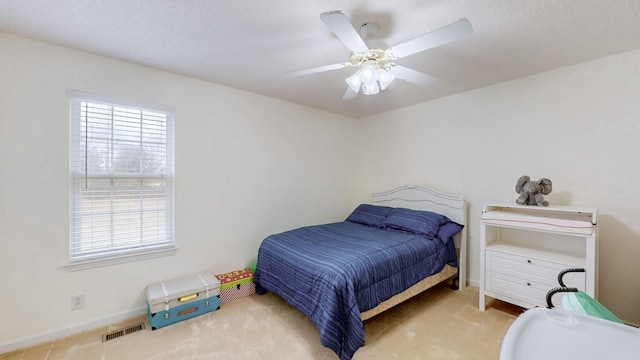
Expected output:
(385, 79)
(369, 73)
(370, 78)
(370, 89)
(354, 81)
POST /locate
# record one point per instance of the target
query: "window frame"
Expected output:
(113, 255)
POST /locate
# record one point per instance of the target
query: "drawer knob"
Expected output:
(528, 261)
(528, 284)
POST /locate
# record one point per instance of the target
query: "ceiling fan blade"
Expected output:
(340, 25)
(318, 69)
(349, 94)
(413, 76)
(452, 32)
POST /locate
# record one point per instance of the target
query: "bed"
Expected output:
(403, 242)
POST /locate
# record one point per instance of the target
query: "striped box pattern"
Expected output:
(235, 285)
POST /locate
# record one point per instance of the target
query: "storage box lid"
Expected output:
(235, 277)
(164, 291)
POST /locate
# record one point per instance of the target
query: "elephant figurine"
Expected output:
(531, 192)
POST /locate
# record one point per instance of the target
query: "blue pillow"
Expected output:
(415, 221)
(447, 231)
(370, 215)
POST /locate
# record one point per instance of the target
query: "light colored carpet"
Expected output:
(437, 324)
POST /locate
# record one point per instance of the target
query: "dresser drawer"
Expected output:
(525, 291)
(532, 270)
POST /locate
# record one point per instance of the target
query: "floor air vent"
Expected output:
(122, 332)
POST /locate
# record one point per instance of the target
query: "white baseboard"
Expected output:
(71, 330)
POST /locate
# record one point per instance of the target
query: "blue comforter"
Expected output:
(333, 272)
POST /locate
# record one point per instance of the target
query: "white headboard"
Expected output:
(421, 198)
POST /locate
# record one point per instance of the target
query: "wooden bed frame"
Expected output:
(422, 198)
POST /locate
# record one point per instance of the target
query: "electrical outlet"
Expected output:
(77, 302)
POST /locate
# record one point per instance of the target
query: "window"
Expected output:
(121, 179)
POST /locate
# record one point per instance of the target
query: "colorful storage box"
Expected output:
(235, 285)
(183, 298)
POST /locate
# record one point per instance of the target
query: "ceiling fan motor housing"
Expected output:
(369, 30)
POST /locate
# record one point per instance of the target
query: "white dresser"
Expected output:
(523, 248)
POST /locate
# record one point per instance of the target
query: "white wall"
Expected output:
(241, 156)
(246, 166)
(578, 126)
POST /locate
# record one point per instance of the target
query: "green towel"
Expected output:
(580, 302)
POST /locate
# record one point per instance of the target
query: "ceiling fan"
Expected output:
(376, 66)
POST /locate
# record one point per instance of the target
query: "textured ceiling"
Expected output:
(250, 45)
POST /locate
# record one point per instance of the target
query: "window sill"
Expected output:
(113, 260)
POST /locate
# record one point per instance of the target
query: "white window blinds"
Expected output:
(121, 179)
